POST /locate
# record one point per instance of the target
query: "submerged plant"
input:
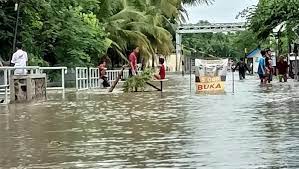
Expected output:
(139, 81)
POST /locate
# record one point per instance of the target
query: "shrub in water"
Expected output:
(139, 81)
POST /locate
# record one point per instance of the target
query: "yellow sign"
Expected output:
(210, 84)
(206, 79)
(206, 87)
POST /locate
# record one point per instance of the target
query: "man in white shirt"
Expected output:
(19, 59)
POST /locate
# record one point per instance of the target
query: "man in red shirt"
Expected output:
(282, 68)
(162, 71)
(133, 62)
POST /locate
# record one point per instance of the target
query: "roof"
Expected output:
(253, 53)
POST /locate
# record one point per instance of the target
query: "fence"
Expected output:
(94, 78)
(113, 74)
(85, 78)
(5, 99)
(81, 78)
(89, 78)
(7, 71)
(63, 72)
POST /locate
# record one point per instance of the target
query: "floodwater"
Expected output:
(257, 127)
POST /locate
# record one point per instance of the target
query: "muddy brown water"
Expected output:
(257, 127)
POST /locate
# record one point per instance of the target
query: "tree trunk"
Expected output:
(153, 60)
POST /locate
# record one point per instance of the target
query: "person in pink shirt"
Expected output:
(133, 62)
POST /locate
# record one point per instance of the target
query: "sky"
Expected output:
(221, 11)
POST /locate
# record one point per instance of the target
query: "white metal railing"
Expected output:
(125, 74)
(81, 78)
(94, 78)
(8, 71)
(5, 94)
(113, 74)
(63, 72)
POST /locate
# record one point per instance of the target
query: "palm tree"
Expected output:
(143, 23)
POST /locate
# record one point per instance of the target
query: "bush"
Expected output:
(139, 81)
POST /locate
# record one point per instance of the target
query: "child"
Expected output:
(162, 71)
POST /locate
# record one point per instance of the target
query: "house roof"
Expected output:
(253, 53)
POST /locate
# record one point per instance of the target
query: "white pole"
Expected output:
(90, 79)
(178, 49)
(5, 77)
(296, 66)
(77, 85)
(6, 95)
(233, 81)
(190, 74)
(62, 79)
(6, 83)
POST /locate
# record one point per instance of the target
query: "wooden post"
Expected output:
(117, 79)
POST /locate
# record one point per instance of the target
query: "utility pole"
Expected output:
(17, 9)
(296, 61)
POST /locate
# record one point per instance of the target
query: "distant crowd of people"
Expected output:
(266, 69)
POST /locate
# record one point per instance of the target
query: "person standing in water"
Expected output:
(133, 62)
(282, 69)
(242, 66)
(269, 67)
(262, 68)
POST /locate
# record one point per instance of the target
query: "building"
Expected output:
(253, 59)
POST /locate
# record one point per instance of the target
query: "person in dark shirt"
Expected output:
(242, 66)
(282, 69)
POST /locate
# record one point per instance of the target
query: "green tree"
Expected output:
(59, 32)
(231, 45)
(270, 13)
(79, 32)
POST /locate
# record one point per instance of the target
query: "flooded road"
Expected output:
(254, 128)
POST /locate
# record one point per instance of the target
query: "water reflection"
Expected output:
(254, 128)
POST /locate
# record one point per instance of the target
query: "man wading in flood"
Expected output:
(242, 66)
(262, 68)
(282, 69)
(133, 62)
